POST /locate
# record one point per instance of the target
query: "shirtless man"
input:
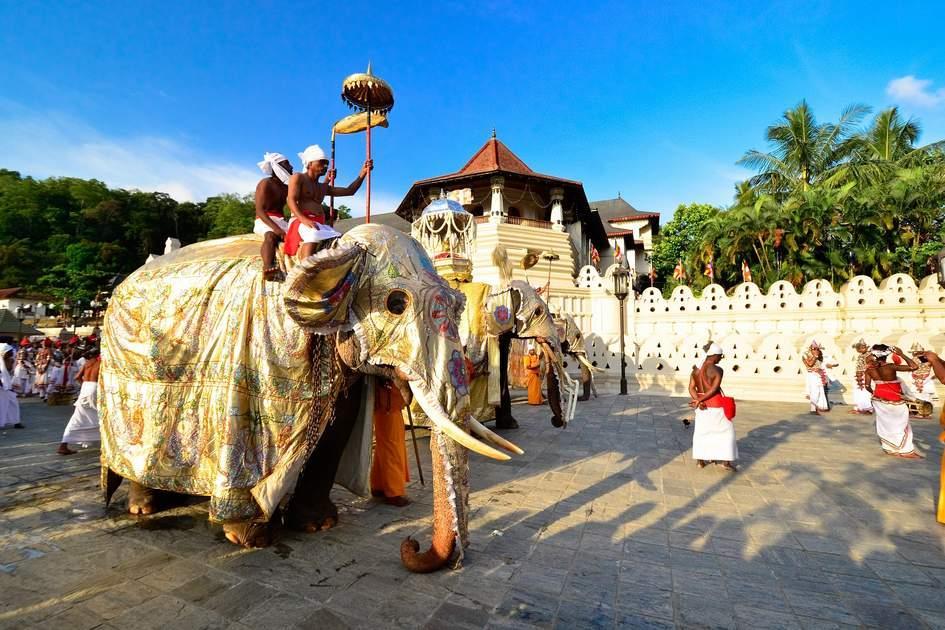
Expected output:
(83, 425)
(306, 194)
(713, 438)
(889, 408)
(271, 193)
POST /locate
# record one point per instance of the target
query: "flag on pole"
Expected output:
(652, 275)
(679, 273)
(746, 271)
(709, 271)
(595, 257)
(617, 253)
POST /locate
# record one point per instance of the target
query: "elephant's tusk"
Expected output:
(485, 433)
(583, 360)
(454, 432)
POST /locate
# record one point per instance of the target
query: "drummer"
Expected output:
(309, 225)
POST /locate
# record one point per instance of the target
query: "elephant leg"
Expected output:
(110, 482)
(141, 500)
(503, 416)
(248, 534)
(311, 509)
(554, 398)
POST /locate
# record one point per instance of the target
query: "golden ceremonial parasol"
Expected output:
(355, 123)
(371, 95)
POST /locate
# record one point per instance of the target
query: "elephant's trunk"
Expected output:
(554, 386)
(444, 530)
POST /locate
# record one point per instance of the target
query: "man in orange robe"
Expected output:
(533, 378)
(389, 475)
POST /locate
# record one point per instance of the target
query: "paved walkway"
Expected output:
(606, 524)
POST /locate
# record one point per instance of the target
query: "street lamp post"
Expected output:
(76, 311)
(621, 278)
(20, 316)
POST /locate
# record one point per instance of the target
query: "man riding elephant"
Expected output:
(219, 384)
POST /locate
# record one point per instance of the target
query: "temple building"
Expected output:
(535, 216)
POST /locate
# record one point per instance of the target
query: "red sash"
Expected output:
(723, 402)
(888, 390)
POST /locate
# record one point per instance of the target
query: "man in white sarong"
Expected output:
(271, 193)
(713, 438)
(83, 425)
(890, 410)
(862, 399)
(9, 405)
(816, 379)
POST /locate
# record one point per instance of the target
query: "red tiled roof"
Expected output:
(495, 156)
(8, 293)
(635, 217)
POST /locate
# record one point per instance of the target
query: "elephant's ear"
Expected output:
(319, 290)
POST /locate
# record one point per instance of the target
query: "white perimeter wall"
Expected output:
(764, 335)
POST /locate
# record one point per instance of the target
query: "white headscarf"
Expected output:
(6, 376)
(714, 349)
(313, 153)
(271, 164)
(880, 353)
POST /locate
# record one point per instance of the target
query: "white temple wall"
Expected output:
(764, 335)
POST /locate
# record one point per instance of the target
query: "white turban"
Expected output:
(714, 349)
(271, 164)
(313, 153)
(880, 352)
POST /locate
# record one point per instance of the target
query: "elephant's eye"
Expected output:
(538, 312)
(397, 302)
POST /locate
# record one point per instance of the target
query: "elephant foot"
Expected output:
(141, 501)
(144, 501)
(313, 519)
(506, 422)
(252, 535)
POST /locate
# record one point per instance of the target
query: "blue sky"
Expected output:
(654, 100)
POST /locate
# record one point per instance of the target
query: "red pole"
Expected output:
(367, 215)
(331, 181)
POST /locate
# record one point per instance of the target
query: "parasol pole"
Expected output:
(367, 214)
(331, 180)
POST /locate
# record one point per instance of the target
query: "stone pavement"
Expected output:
(605, 524)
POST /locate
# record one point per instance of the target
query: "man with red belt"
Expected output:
(713, 439)
(271, 193)
(309, 225)
(889, 409)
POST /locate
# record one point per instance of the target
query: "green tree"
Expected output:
(344, 212)
(678, 238)
(229, 215)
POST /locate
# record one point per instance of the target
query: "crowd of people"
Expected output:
(61, 369)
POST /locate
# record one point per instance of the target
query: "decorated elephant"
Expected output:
(217, 383)
(572, 344)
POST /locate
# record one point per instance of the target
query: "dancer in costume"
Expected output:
(889, 409)
(309, 227)
(862, 399)
(83, 425)
(24, 371)
(9, 405)
(816, 379)
(389, 474)
(532, 364)
(271, 194)
(43, 358)
(713, 438)
(921, 385)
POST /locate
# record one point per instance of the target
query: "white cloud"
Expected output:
(53, 144)
(912, 91)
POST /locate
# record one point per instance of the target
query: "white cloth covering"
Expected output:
(815, 392)
(714, 349)
(56, 375)
(9, 405)
(862, 399)
(270, 166)
(259, 227)
(318, 233)
(23, 378)
(892, 426)
(713, 436)
(83, 425)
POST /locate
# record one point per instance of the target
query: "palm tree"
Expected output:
(804, 150)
